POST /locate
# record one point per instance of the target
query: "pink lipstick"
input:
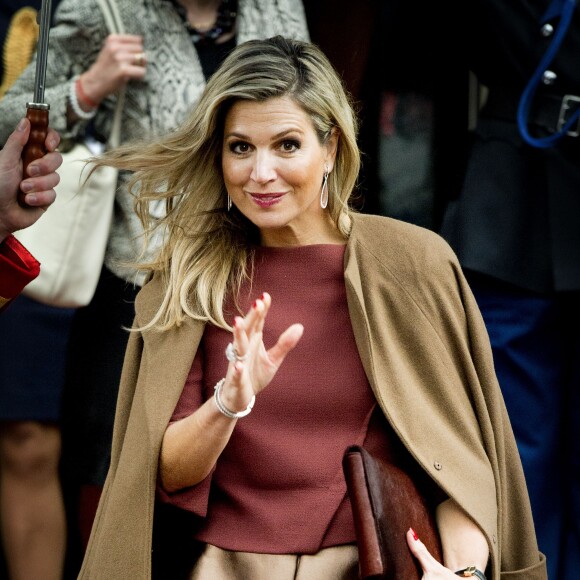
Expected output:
(266, 199)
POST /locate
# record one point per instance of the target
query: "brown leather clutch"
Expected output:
(385, 504)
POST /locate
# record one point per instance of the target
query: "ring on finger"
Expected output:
(232, 354)
(139, 59)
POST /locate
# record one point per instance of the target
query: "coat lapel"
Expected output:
(357, 312)
(168, 357)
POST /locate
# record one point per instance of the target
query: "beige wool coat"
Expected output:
(427, 357)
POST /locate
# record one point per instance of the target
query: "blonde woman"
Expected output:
(277, 328)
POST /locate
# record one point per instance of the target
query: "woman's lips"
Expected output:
(267, 199)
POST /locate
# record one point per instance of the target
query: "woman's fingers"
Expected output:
(240, 341)
(245, 329)
(122, 58)
(262, 308)
(428, 563)
(254, 321)
(254, 362)
(286, 342)
(123, 44)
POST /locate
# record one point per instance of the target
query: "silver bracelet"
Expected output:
(223, 409)
(74, 102)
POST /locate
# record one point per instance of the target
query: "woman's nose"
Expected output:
(263, 169)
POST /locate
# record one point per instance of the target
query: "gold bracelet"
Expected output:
(471, 572)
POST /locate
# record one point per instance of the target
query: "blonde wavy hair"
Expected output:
(207, 250)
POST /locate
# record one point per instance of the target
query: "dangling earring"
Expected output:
(229, 202)
(324, 192)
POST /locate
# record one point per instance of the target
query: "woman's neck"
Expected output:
(214, 18)
(201, 14)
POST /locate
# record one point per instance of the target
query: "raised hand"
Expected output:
(192, 445)
(252, 367)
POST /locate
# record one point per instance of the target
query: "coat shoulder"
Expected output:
(402, 245)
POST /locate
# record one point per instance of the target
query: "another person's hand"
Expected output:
(38, 185)
(257, 366)
(120, 60)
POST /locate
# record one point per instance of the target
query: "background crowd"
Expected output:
(441, 148)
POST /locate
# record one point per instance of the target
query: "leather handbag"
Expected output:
(70, 239)
(385, 504)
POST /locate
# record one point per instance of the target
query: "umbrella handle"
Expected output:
(37, 114)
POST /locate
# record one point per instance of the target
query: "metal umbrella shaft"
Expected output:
(42, 51)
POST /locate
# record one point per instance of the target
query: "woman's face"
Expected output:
(273, 166)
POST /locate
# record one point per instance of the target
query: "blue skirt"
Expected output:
(33, 351)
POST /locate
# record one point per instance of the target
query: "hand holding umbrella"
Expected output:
(37, 111)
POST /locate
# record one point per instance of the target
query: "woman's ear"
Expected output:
(331, 148)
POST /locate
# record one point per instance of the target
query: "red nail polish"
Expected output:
(262, 297)
(415, 536)
(255, 305)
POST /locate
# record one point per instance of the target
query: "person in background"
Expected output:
(168, 51)
(278, 327)
(29, 500)
(515, 226)
(17, 266)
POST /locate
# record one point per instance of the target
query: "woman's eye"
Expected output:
(290, 146)
(239, 147)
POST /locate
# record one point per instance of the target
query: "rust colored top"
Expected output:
(278, 486)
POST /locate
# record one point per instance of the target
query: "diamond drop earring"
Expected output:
(324, 192)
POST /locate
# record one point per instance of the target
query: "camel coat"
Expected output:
(427, 357)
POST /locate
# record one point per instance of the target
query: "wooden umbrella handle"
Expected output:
(35, 147)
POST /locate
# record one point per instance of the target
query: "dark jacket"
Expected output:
(517, 217)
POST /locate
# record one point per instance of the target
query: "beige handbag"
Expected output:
(70, 239)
